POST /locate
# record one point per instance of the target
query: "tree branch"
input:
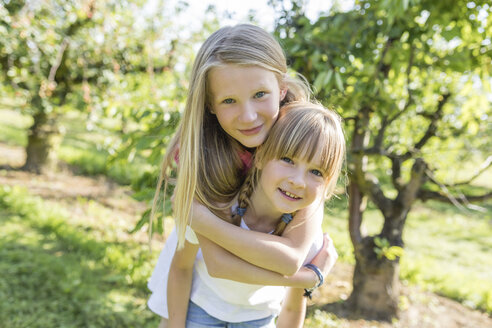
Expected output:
(377, 148)
(396, 172)
(357, 167)
(59, 56)
(409, 192)
(367, 183)
(381, 66)
(431, 129)
(446, 196)
(485, 165)
(426, 195)
(372, 188)
(378, 141)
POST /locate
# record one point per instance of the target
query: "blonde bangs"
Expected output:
(304, 130)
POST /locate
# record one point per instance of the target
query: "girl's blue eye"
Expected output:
(228, 101)
(260, 94)
(317, 173)
(287, 160)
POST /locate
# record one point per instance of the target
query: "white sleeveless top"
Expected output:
(223, 299)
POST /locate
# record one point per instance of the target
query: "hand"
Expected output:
(326, 257)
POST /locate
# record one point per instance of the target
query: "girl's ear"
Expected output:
(327, 192)
(283, 92)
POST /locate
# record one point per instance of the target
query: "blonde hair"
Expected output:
(302, 130)
(210, 168)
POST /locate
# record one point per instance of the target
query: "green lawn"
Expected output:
(58, 272)
(447, 250)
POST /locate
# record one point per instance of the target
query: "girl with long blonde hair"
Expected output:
(239, 80)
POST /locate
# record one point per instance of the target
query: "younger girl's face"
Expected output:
(291, 184)
(246, 101)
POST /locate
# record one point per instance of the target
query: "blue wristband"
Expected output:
(318, 273)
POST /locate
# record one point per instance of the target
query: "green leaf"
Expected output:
(328, 77)
(405, 4)
(338, 81)
(319, 82)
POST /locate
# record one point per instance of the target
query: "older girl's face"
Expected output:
(246, 101)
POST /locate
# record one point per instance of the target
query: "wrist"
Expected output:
(318, 276)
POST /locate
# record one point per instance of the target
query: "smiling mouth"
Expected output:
(289, 195)
(252, 131)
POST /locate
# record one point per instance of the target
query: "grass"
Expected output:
(57, 272)
(13, 127)
(447, 250)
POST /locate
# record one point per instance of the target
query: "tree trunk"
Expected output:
(43, 141)
(376, 284)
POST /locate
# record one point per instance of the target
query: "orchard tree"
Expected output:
(412, 81)
(36, 39)
(62, 54)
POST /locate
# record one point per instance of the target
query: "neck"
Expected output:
(260, 216)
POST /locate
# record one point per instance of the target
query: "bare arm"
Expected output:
(226, 265)
(293, 309)
(283, 254)
(294, 305)
(179, 284)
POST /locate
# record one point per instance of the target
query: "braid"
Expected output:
(282, 224)
(279, 229)
(243, 196)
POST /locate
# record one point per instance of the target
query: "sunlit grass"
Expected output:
(13, 127)
(56, 274)
(447, 250)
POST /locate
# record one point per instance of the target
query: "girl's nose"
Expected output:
(248, 114)
(297, 180)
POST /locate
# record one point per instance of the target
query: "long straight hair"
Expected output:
(209, 168)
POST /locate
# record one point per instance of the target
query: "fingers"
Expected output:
(327, 239)
(329, 246)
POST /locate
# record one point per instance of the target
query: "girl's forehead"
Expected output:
(310, 156)
(229, 79)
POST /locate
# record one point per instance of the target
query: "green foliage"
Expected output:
(388, 55)
(412, 81)
(106, 60)
(384, 249)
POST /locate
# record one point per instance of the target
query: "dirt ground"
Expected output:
(422, 309)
